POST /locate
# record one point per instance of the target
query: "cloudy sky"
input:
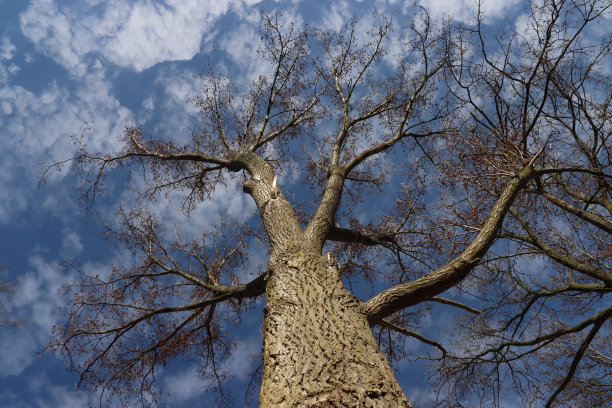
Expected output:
(67, 65)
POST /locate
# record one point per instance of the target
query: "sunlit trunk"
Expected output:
(318, 348)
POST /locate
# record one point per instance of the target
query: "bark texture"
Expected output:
(319, 350)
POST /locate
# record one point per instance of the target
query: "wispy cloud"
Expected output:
(185, 385)
(17, 350)
(36, 302)
(6, 49)
(40, 125)
(336, 16)
(241, 45)
(465, 10)
(240, 363)
(132, 34)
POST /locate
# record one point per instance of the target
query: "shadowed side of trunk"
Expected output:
(318, 347)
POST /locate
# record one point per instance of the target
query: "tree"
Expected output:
(499, 157)
(546, 90)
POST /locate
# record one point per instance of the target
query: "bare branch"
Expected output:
(402, 296)
(387, 324)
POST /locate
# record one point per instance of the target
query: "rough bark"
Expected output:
(318, 347)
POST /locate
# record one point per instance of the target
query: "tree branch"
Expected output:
(387, 324)
(577, 357)
(454, 303)
(565, 260)
(411, 293)
(339, 234)
(578, 212)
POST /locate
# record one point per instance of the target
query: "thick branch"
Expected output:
(251, 289)
(276, 212)
(142, 151)
(587, 200)
(585, 215)
(412, 293)
(323, 219)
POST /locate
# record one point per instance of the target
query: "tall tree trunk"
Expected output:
(318, 347)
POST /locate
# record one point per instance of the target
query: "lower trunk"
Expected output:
(318, 347)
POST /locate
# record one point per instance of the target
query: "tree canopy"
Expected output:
(438, 164)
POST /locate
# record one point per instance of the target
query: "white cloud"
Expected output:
(245, 11)
(152, 34)
(226, 204)
(524, 27)
(179, 115)
(37, 292)
(71, 244)
(179, 86)
(336, 16)
(188, 384)
(6, 49)
(36, 302)
(59, 397)
(52, 30)
(44, 394)
(185, 385)
(17, 350)
(133, 34)
(241, 45)
(148, 103)
(465, 10)
(6, 72)
(38, 128)
(240, 362)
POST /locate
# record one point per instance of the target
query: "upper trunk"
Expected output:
(318, 347)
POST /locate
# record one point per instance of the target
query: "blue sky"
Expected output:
(64, 63)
